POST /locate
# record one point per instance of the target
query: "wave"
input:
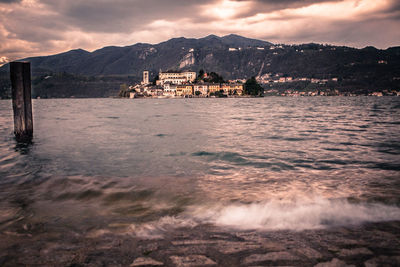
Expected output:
(274, 215)
(298, 215)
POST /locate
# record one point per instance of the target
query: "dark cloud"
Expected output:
(291, 3)
(271, 5)
(260, 6)
(393, 10)
(42, 27)
(302, 2)
(48, 26)
(355, 34)
(121, 15)
(10, 1)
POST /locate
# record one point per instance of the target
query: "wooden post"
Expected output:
(20, 74)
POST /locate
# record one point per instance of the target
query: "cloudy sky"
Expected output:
(42, 27)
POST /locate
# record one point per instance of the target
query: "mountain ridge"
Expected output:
(232, 56)
(46, 62)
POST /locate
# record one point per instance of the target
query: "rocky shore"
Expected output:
(376, 244)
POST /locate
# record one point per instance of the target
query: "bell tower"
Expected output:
(145, 77)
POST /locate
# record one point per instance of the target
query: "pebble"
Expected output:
(383, 261)
(354, 252)
(271, 256)
(309, 253)
(192, 242)
(192, 260)
(230, 247)
(146, 261)
(333, 263)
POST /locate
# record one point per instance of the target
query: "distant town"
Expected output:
(189, 84)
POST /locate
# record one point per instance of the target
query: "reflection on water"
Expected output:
(137, 166)
(23, 146)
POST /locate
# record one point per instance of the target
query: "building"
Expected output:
(226, 87)
(176, 77)
(188, 90)
(232, 88)
(202, 88)
(169, 89)
(213, 87)
(153, 91)
(237, 88)
(184, 89)
(145, 77)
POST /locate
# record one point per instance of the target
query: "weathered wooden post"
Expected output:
(20, 74)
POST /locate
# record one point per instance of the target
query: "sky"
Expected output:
(44, 27)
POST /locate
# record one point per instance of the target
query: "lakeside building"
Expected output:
(232, 88)
(169, 89)
(226, 88)
(176, 77)
(237, 88)
(184, 89)
(205, 89)
(154, 91)
(213, 87)
(202, 88)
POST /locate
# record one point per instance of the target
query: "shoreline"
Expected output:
(245, 97)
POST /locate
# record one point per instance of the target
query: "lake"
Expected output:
(202, 181)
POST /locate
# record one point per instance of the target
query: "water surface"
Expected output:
(265, 163)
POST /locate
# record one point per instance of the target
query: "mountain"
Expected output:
(232, 56)
(176, 53)
(239, 41)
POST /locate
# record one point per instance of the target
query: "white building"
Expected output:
(153, 91)
(177, 77)
(169, 89)
(202, 88)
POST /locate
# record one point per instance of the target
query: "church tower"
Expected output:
(145, 77)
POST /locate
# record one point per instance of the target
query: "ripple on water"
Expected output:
(208, 151)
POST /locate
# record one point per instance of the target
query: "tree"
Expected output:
(220, 93)
(215, 78)
(201, 74)
(252, 87)
(156, 79)
(123, 90)
(197, 93)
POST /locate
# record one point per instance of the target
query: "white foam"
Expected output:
(273, 215)
(297, 215)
